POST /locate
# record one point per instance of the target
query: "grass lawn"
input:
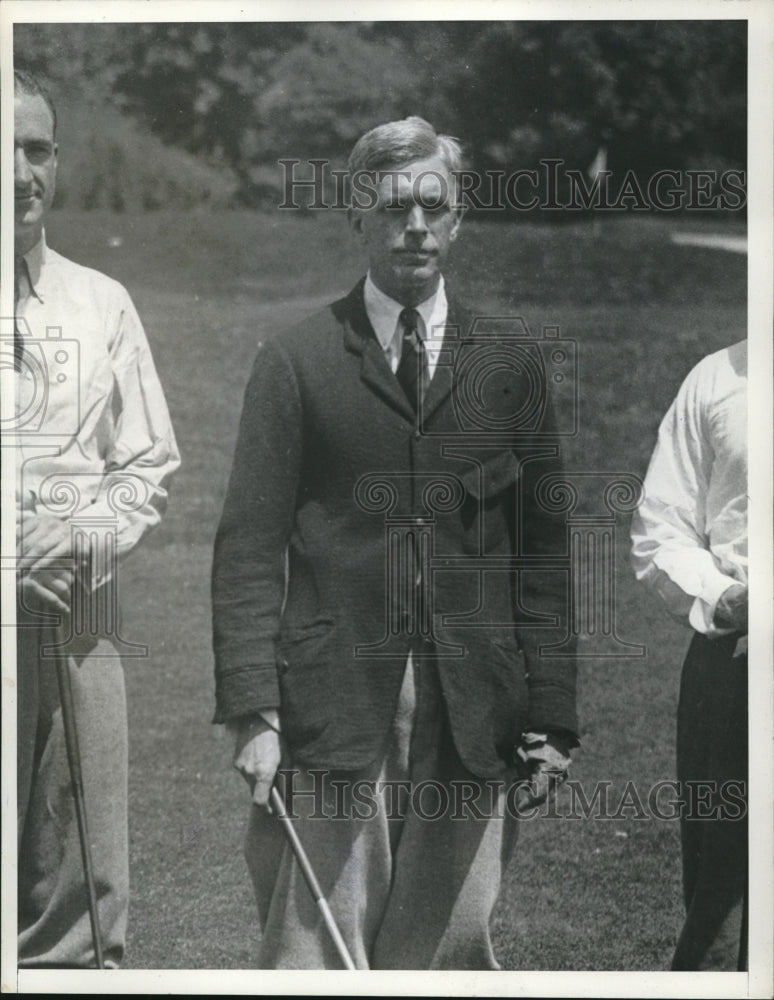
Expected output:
(579, 894)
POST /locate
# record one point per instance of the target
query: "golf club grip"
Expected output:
(76, 779)
(310, 878)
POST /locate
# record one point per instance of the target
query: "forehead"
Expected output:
(32, 117)
(422, 179)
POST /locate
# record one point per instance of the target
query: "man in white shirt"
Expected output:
(94, 455)
(690, 547)
(369, 627)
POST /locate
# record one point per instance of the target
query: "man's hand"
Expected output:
(44, 539)
(257, 753)
(731, 609)
(47, 590)
(543, 762)
(43, 583)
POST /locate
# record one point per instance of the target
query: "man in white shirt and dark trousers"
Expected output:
(94, 451)
(690, 547)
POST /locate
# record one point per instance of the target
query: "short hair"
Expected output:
(25, 82)
(395, 144)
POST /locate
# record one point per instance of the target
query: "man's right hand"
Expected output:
(257, 754)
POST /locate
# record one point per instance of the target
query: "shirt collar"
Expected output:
(383, 312)
(33, 261)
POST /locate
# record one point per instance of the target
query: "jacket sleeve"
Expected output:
(551, 679)
(248, 577)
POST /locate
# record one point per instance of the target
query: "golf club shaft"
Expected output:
(278, 806)
(76, 780)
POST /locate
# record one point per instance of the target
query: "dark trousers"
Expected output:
(712, 769)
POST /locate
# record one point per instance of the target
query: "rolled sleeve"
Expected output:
(671, 550)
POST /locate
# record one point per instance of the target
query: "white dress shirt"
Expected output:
(690, 532)
(93, 432)
(384, 313)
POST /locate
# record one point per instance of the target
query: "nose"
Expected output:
(416, 221)
(22, 175)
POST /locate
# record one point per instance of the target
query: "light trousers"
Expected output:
(412, 878)
(54, 928)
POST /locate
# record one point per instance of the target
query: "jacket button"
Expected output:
(417, 435)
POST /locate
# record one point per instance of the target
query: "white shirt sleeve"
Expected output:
(142, 452)
(670, 541)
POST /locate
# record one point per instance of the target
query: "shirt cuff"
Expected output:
(702, 614)
(268, 715)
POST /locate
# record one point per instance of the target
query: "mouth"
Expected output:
(415, 256)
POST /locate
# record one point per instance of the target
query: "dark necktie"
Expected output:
(18, 342)
(412, 372)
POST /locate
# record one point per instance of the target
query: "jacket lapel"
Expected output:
(359, 338)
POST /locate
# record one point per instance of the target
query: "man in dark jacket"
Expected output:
(381, 557)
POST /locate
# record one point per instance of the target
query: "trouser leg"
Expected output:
(349, 844)
(454, 845)
(407, 891)
(712, 755)
(54, 927)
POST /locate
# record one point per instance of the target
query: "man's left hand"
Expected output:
(45, 540)
(731, 609)
(543, 761)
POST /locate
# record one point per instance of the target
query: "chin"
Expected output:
(417, 275)
(27, 218)
(26, 233)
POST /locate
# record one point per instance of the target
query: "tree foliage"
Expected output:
(655, 94)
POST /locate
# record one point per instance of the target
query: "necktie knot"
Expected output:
(409, 320)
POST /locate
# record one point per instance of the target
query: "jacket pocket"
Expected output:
(488, 504)
(489, 478)
(297, 643)
(307, 656)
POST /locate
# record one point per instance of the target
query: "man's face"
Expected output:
(408, 232)
(34, 167)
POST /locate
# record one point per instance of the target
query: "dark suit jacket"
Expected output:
(325, 421)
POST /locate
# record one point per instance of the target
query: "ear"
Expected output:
(458, 213)
(355, 220)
